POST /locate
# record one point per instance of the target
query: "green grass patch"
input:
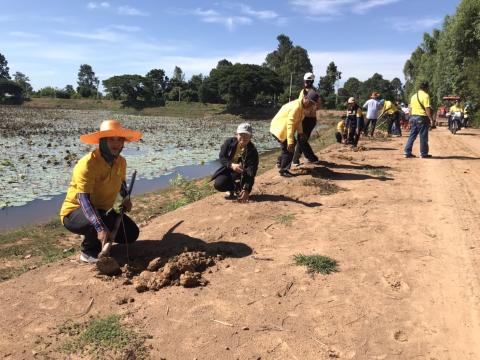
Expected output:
(323, 187)
(377, 171)
(285, 219)
(103, 338)
(317, 263)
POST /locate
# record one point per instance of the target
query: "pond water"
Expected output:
(39, 147)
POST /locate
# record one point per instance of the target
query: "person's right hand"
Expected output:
(237, 168)
(291, 147)
(103, 236)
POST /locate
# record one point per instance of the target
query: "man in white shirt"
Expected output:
(372, 105)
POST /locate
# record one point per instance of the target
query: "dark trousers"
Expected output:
(77, 223)
(285, 159)
(227, 181)
(394, 119)
(374, 124)
(303, 146)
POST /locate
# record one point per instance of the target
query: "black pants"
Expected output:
(227, 181)
(374, 124)
(303, 146)
(339, 137)
(394, 119)
(77, 223)
(285, 159)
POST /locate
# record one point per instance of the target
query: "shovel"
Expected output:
(107, 246)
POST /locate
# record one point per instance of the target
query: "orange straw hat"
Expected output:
(111, 128)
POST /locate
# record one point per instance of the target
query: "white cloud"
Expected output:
(101, 35)
(333, 8)
(130, 11)
(230, 22)
(259, 14)
(126, 28)
(414, 25)
(363, 7)
(101, 5)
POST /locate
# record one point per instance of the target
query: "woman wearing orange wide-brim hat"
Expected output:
(97, 179)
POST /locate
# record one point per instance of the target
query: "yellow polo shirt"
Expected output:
(341, 126)
(288, 120)
(389, 107)
(455, 108)
(93, 175)
(237, 155)
(417, 109)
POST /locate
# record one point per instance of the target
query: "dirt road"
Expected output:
(404, 231)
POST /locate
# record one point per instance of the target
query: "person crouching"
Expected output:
(97, 179)
(239, 159)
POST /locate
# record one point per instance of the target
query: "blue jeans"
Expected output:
(419, 126)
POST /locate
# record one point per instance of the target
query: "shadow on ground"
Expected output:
(455, 157)
(275, 198)
(326, 173)
(173, 244)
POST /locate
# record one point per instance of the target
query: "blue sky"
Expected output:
(48, 40)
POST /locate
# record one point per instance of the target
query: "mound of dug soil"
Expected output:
(184, 269)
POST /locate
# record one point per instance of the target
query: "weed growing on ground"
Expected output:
(285, 219)
(317, 263)
(324, 187)
(103, 338)
(377, 171)
(191, 191)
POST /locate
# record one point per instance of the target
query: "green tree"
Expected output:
(24, 82)
(326, 86)
(87, 82)
(10, 92)
(4, 70)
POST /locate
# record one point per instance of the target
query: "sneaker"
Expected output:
(88, 258)
(313, 162)
(426, 156)
(295, 164)
(287, 174)
(409, 156)
(230, 195)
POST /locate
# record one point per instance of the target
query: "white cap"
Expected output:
(308, 76)
(351, 100)
(244, 128)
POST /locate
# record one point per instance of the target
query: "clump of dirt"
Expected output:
(108, 266)
(184, 270)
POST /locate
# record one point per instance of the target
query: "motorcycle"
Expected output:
(455, 121)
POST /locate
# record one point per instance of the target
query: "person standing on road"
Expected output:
(373, 106)
(239, 159)
(97, 179)
(420, 120)
(286, 122)
(354, 122)
(308, 124)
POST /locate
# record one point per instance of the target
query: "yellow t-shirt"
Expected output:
(456, 108)
(341, 126)
(238, 153)
(389, 107)
(417, 109)
(92, 175)
(288, 120)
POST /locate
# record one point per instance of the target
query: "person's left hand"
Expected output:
(243, 197)
(127, 204)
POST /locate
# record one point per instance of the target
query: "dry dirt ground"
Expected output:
(406, 237)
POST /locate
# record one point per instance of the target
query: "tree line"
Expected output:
(278, 80)
(449, 58)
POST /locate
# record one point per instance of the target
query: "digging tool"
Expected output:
(106, 247)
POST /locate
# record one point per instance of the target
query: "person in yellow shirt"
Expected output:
(420, 120)
(456, 110)
(97, 179)
(341, 134)
(354, 122)
(308, 124)
(286, 122)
